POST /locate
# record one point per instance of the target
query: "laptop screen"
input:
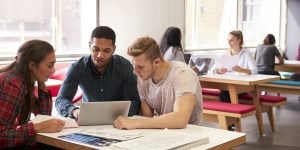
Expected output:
(102, 113)
(202, 64)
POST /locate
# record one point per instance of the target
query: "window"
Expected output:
(260, 17)
(66, 24)
(208, 22)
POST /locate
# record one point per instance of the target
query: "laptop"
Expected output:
(202, 64)
(102, 113)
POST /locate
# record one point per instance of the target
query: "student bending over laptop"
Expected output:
(34, 63)
(169, 90)
(102, 76)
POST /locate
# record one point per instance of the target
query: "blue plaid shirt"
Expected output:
(117, 83)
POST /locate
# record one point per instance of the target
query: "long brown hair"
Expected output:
(36, 51)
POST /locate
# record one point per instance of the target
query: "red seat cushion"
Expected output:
(78, 96)
(54, 89)
(263, 98)
(59, 74)
(228, 107)
(211, 92)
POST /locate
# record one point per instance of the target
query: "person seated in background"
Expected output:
(265, 56)
(34, 63)
(170, 91)
(170, 45)
(246, 63)
(101, 76)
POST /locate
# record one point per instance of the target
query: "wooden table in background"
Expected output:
(237, 83)
(289, 66)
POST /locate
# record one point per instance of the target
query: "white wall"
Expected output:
(131, 19)
(293, 28)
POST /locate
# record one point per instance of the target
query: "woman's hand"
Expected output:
(241, 70)
(220, 70)
(49, 126)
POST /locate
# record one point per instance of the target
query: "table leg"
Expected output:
(233, 93)
(259, 118)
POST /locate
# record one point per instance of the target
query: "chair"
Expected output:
(60, 74)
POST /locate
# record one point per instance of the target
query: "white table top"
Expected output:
(217, 137)
(51, 82)
(292, 62)
(243, 79)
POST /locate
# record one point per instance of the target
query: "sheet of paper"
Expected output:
(165, 139)
(113, 133)
(69, 123)
(226, 61)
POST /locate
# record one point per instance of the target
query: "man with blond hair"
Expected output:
(170, 91)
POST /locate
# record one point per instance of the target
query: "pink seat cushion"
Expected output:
(78, 96)
(263, 98)
(54, 89)
(211, 92)
(228, 107)
(59, 74)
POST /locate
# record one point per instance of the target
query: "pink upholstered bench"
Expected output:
(211, 93)
(266, 100)
(226, 113)
(267, 103)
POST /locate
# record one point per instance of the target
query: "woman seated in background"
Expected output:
(170, 45)
(246, 63)
(265, 56)
(34, 62)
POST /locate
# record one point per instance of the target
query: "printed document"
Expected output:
(114, 133)
(226, 61)
(164, 140)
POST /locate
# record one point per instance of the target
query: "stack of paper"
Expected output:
(226, 61)
(69, 123)
(164, 140)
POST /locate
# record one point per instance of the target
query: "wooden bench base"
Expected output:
(225, 118)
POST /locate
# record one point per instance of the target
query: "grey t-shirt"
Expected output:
(265, 57)
(179, 80)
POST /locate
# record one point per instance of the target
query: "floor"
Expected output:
(286, 136)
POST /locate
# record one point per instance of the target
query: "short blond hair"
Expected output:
(145, 45)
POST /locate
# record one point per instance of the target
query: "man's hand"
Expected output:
(124, 123)
(75, 113)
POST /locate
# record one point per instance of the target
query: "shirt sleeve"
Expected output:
(43, 103)
(130, 90)
(251, 64)
(184, 83)
(246, 60)
(67, 91)
(276, 51)
(11, 132)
